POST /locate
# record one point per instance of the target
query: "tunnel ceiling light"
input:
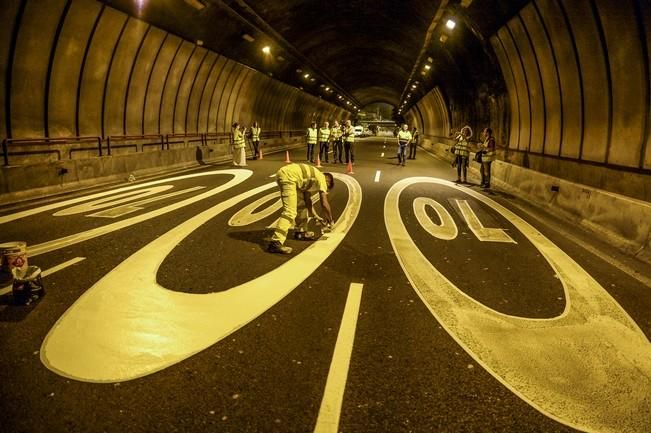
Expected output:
(428, 67)
(306, 76)
(299, 70)
(266, 49)
(443, 38)
(413, 86)
(450, 24)
(347, 102)
(199, 42)
(197, 4)
(429, 59)
(247, 37)
(327, 89)
(312, 79)
(280, 58)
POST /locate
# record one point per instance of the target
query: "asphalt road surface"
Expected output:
(430, 307)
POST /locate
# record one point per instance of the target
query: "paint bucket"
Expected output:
(13, 255)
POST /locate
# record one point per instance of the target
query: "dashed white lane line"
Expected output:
(330, 411)
(377, 176)
(382, 155)
(50, 271)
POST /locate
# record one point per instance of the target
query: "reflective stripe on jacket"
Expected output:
(238, 139)
(255, 134)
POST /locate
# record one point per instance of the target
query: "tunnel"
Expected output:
(118, 129)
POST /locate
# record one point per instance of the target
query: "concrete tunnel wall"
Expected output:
(577, 94)
(81, 68)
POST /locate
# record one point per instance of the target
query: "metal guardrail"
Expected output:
(47, 142)
(112, 142)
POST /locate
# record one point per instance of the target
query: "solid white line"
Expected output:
(377, 176)
(50, 271)
(328, 420)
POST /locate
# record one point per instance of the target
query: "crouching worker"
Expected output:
(303, 179)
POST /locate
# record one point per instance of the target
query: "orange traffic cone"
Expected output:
(260, 153)
(287, 161)
(318, 162)
(349, 169)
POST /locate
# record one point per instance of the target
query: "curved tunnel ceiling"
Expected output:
(367, 50)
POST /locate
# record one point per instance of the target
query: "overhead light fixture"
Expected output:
(450, 24)
(199, 42)
(443, 38)
(280, 58)
(322, 85)
(429, 59)
(413, 86)
(313, 79)
(428, 67)
(306, 76)
(327, 89)
(266, 49)
(197, 4)
(247, 37)
(299, 70)
(347, 102)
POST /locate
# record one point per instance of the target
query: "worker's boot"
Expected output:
(277, 247)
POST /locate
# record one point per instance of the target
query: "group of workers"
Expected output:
(342, 137)
(298, 182)
(485, 155)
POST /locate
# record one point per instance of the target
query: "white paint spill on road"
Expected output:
(50, 271)
(377, 176)
(330, 411)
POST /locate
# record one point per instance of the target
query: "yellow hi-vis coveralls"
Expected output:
(292, 179)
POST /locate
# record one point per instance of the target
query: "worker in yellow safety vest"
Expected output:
(324, 141)
(305, 179)
(255, 139)
(311, 136)
(239, 150)
(337, 144)
(404, 138)
(462, 152)
(349, 142)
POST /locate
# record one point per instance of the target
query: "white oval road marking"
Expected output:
(239, 176)
(127, 326)
(57, 205)
(589, 368)
(377, 176)
(447, 230)
(112, 200)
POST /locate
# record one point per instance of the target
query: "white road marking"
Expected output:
(273, 175)
(382, 155)
(138, 205)
(127, 326)
(482, 233)
(558, 365)
(50, 271)
(447, 230)
(330, 411)
(377, 176)
(14, 216)
(113, 200)
(239, 176)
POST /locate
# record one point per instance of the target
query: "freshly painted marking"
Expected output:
(247, 216)
(127, 326)
(239, 175)
(328, 419)
(112, 201)
(50, 271)
(273, 175)
(57, 205)
(589, 368)
(382, 155)
(484, 234)
(447, 230)
(377, 176)
(136, 206)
